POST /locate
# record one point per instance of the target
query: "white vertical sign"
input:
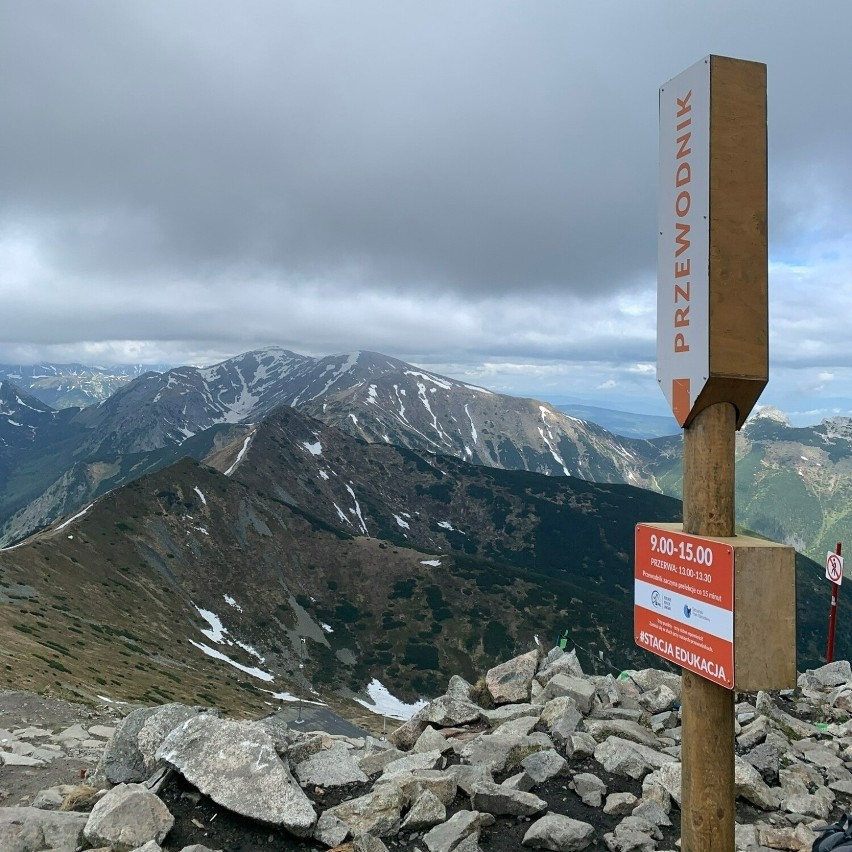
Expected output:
(834, 568)
(683, 293)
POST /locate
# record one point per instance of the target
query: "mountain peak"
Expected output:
(768, 412)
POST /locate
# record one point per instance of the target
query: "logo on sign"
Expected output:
(687, 610)
(655, 599)
(834, 568)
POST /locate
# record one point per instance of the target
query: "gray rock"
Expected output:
(423, 760)
(579, 745)
(750, 786)
(459, 689)
(31, 829)
(8, 758)
(556, 708)
(508, 712)
(622, 757)
(653, 812)
(128, 816)
(449, 711)
(459, 828)
(559, 833)
(589, 788)
(620, 804)
(330, 830)
(368, 843)
(48, 800)
(658, 699)
(577, 688)
(503, 754)
(431, 740)
(332, 768)
(564, 728)
(544, 765)
(504, 801)
(521, 781)
(370, 764)
(766, 759)
(510, 681)
(521, 727)
(378, 812)
(150, 846)
(468, 776)
(633, 834)
(129, 757)
(601, 729)
(567, 664)
(237, 766)
(833, 674)
(791, 726)
(754, 732)
(426, 812)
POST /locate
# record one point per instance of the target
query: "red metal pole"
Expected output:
(832, 616)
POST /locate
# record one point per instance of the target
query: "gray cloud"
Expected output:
(209, 174)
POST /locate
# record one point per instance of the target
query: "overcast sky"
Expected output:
(469, 186)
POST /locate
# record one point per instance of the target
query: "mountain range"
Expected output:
(793, 484)
(296, 557)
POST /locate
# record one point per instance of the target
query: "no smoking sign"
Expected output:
(834, 568)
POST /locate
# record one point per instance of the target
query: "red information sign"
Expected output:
(684, 601)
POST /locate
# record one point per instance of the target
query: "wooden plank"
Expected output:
(764, 615)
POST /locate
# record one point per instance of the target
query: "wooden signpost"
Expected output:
(729, 623)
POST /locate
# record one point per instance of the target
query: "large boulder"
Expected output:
(130, 756)
(559, 833)
(236, 764)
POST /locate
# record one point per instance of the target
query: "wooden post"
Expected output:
(707, 787)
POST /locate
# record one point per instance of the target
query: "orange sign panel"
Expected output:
(684, 601)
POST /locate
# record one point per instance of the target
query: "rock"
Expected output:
(754, 733)
(504, 801)
(791, 726)
(370, 764)
(589, 788)
(652, 812)
(557, 707)
(634, 760)
(378, 812)
(129, 757)
(577, 688)
(431, 740)
(332, 768)
(833, 674)
(330, 830)
(30, 829)
(544, 765)
(426, 811)
(658, 699)
(459, 827)
(503, 754)
(559, 833)
(520, 727)
(766, 759)
(49, 799)
(237, 766)
(620, 804)
(411, 762)
(468, 776)
(448, 711)
(128, 816)
(510, 681)
(633, 834)
(751, 787)
(601, 729)
(508, 712)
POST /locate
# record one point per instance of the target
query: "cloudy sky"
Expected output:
(469, 185)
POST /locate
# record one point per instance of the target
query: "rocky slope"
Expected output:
(536, 754)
